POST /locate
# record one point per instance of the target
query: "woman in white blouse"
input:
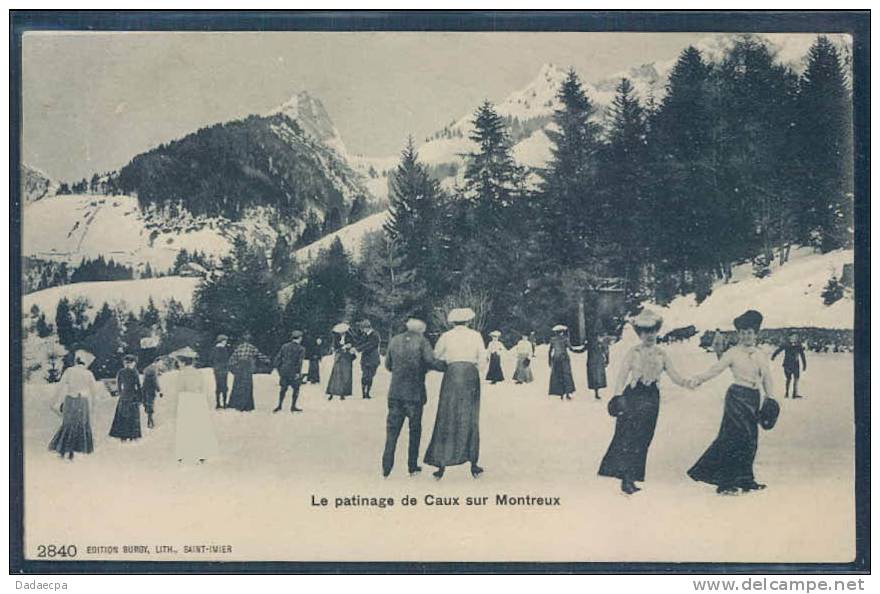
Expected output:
(456, 436)
(524, 353)
(76, 393)
(495, 349)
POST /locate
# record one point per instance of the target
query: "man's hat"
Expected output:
(415, 325)
(560, 328)
(129, 359)
(222, 337)
(751, 319)
(365, 324)
(461, 314)
(296, 334)
(768, 414)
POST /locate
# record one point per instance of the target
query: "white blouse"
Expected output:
(749, 366)
(78, 381)
(495, 346)
(461, 344)
(646, 365)
(524, 349)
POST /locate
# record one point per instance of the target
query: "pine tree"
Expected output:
(150, 315)
(64, 323)
(825, 148)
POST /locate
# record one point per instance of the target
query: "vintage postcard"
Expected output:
(489, 296)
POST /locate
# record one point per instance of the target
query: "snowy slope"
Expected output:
(132, 294)
(350, 236)
(34, 184)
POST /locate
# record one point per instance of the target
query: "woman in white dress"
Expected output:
(524, 353)
(76, 393)
(195, 439)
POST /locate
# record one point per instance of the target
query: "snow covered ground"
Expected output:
(131, 294)
(256, 496)
(351, 237)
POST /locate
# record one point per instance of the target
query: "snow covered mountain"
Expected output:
(35, 184)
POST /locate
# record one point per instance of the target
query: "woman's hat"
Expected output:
(341, 328)
(415, 325)
(648, 319)
(495, 333)
(768, 414)
(461, 314)
(222, 338)
(616, 406)
(560, 328)
(751, 319)
(186, 353)
(84, 356)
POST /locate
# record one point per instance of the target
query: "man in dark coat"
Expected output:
(220, 362)
(409, 358)
(791, 362)
(289, 362)
(368, 346)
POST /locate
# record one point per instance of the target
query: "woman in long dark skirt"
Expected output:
(314, 353)
(243, 364)
(495, 350)
(340, 382)
(127, 420)
(637, 381)
(77, 391)
(728, 463)
(561, 380)
(597, 361)
(456, 436)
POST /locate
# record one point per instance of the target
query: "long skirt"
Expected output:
(314, 374)
(127, 420)
(75, 433)
(195, 437)
(561, 381)
(523, 372)
(456, 436)
(628, 451)
(495, 374)
(729, 460)
(242, 395)
(340, 377)
(596, 379)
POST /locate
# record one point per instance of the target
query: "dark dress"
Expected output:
(314, 354)
(495, 373)
(561, 381)
(150, 388)
(220, 365)
(340, 377)
(127, 420)
(633, 432)
(369, 350)
(597, 360)
(75, 433)
(729, 460)
(456, 436)
(243, 363)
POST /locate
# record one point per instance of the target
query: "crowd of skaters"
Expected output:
(458, 354)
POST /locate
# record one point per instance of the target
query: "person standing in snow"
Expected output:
(368, 347)
(127, 420)
(791, 362)
(76, 393)
(340, 383)
(495, 349)
(195, 439)
(243, 363)
(728, 463)
(220, 363)
(150, 390)
(524, 352)
(314, 353)
(639, 397)
(456, 436)
(289, 362)
(597, 361)
(561, 380)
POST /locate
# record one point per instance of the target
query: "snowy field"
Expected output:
(256, 496)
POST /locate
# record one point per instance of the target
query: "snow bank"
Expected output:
(350, 235)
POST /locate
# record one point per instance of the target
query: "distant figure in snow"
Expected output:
(150, 390)
(456, 436)
(195, 440)
(289, 362)
(340, 383)
(220, 363)
(719, 343)
(409, 358)
(561, 380)
(597, 361)
(243, 364)
(76, 392)
(314, 353)
(524, 350)
(728, 463)
(791, 362)
(127, 420)
(495, 349)
(368, 347)
(639, 394)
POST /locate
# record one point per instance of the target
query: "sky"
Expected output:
(91, 101)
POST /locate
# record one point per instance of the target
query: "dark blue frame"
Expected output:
(856, 23)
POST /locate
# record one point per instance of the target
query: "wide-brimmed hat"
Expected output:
(495, 333)
(185, 353)
(560, 328)
(415, 325)
(751, 319)
(341, 328)
(84, 356)
(769, 413)
(648, 320)
(222, 338)
(461, 314)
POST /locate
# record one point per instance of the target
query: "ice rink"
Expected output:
(257, 497)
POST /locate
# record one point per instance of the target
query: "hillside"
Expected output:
(34, 184)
